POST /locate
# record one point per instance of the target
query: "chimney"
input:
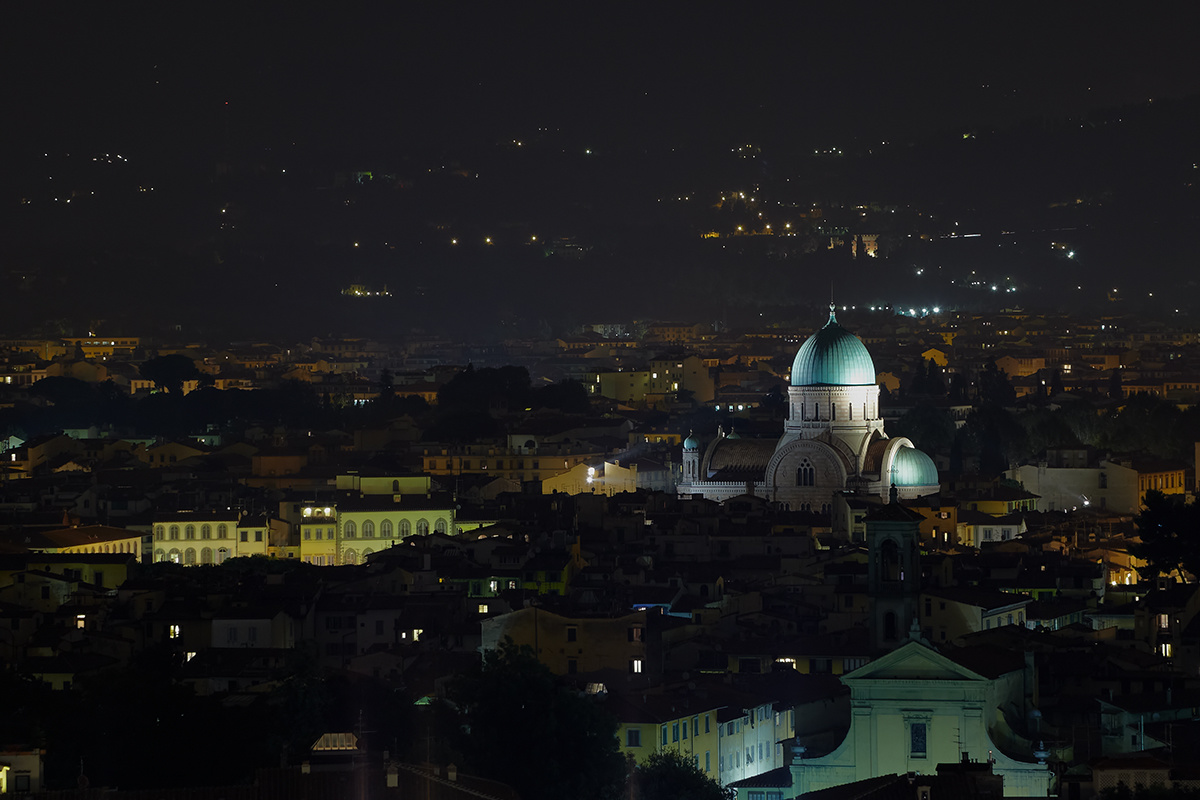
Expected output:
(451, 772)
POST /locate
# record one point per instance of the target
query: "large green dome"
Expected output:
(911, 467)
(833, 356)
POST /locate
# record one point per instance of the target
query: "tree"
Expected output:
(169, 372)
(511, 706)
(670, 775)
(1167, 529)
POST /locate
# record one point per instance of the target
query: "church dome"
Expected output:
(833, 356)
(911, 467)
(691, 443)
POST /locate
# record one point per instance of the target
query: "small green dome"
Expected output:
(911, 467)
(833, 356)
(691, 443)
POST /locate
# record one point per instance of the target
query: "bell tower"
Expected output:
(893, 571)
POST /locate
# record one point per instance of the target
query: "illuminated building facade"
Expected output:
(833, 439)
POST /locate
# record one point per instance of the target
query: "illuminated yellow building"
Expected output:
(318, 536)
(371, 523)
(505, 462)
(650, 724)
(196, 538)
(609, 478)
(90, 539)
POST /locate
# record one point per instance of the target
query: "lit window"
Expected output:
(635, 665)
(483, 608)
(173, 631)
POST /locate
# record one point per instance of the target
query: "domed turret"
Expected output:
(691, 442)
(833, 357)
(911, 467)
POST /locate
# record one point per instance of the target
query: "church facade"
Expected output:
(833, 440)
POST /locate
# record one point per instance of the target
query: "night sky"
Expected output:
(420, 72)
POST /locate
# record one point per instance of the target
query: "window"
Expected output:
(708, 761)
(635, 666)
(695, 726)
(405, 528)
(633, 737)
(572, 666)
(189, 532)
(422, 527)
(245, 536)
(685, 730)
(483, 608)
(158, 533)
(385, 529)
(706, 728)
(917, 734)
(231, 636)
(664, 734)
(368, 529)
(349, 530)
(258, 536)
(806, 475)
(572, 633)
(222, 531)
(307, 534)
(635, 634)
(1164, 621)
(172, 631)
(174, 531)
(675, 732)
(252, 634)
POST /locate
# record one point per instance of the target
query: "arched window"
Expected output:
(806, 474)
(396, 486)
(349, 530)
(173, 556)
(206, 531)
(222, 532)
(206, 555)
(368, 529)
(832, 412)
(385, 529)
(160, 555)
(367, 552)
(189, 532)
(889, 626)
(405, 528)
(174, 532)
(422, 527)
(158, 533)
(189, 556)
(350, 557)
(889, 561)
(440, 526)
(222, 553)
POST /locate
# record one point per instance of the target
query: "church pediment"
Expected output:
(910, 662)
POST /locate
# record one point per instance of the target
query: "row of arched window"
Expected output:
(386, 530)
(119, 547)
(189, 555)
(351, 556)
(189, 532)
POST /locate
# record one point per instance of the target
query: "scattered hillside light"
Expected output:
(1070, 254)
(936, 310)
(454, 241)
(487, 240)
